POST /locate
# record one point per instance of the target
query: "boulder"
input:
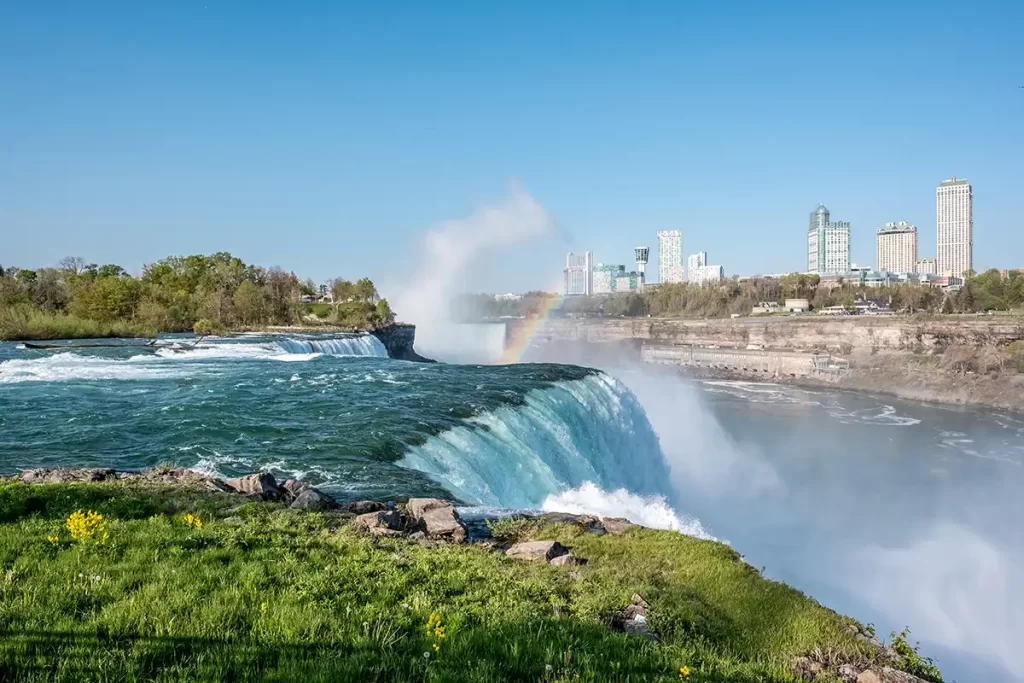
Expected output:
(262, 486)
(291, 489)
(64, 476)
(890, 675)
(361, 507)
(616, 526)
(567, 560)
(537, 551)
(312, 500)
(868, 676)
(382, 523)
(176, 476)
(417, 507)
(805, 668)
(437, 519)
(633, 619)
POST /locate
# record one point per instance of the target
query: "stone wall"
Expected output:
(399, 339)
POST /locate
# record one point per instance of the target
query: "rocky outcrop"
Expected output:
(537, 551)
(382, 523)
(399, 339)
(261, 486)
(617, 526)
(66, 476)
(312, 500)
(437, 519)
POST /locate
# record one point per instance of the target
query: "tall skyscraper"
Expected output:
(670, 256)
(579, 273)
(828, 244)
(896, 248)
(954, 227)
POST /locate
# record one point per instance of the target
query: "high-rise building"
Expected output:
(828, 244)
(670, 256)
(926, 266)
(605, 278)
(694, 262)
(954, 227)
(641, 253)
(896, 248)
(579, 273)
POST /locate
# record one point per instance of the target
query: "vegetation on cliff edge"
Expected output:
(176, 584)
(79, 300)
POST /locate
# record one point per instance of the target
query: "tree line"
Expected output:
(176, 294)
(988, 291)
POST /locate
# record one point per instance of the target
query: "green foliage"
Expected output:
(170, 296)
(1016, 353)
(265, 593)
(913, 662)
(203, 328)
(513, 529)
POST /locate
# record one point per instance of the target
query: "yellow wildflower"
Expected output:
(84, 525)
(192, 521)
(53, 539)
(263, 607)
(684, 673)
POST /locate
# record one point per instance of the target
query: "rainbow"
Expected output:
(522, 334)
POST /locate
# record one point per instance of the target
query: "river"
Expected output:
(897, 513)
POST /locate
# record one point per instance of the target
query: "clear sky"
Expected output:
(326, 137)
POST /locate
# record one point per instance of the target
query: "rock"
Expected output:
(64, 476)
(537, 551)
(437, 519)
(291, 489)
(382, 523)
(416, 507)
(890, 675)
(312, 499)
(805, 668)
(637, 608)
(616, 526)
(868, 676)
(567, 560)
(261, 485)
(361, 507)
(176, 476)
(848, 673)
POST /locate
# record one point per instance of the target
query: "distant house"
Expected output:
(797, 305)
(765, 307)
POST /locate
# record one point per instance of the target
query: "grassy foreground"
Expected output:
(259, 592)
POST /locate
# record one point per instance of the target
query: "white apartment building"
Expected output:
(670, 256)
(828, 244)
(896, 248)
(954, 227)
(579, 273)
(926, 266)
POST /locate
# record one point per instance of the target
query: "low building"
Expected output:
(926, 266)
(797, 305)
(508, 297)
(629, 282)
(765, 307)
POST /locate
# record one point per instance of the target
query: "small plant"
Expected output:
(85, 526)
(684, 673)
(192, 521)
(435, 628)
(511, 529)
(913, 662)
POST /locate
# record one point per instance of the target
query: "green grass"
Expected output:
(274, 594)
(28, 324)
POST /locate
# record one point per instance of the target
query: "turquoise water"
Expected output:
(333, 411)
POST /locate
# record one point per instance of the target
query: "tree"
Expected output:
(202, 328)
(250, 303)
(72, 265)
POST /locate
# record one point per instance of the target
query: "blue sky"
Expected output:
(327, 137)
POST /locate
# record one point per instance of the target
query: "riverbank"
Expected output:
(169, 574)
(951, 361)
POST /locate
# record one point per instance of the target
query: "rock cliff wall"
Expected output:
(399, 339)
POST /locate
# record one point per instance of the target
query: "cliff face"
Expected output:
(898, 356)
(399, 340)
(840, 335)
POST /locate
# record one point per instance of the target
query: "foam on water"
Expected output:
(589, 430)
(650, 511)
(62, 367)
